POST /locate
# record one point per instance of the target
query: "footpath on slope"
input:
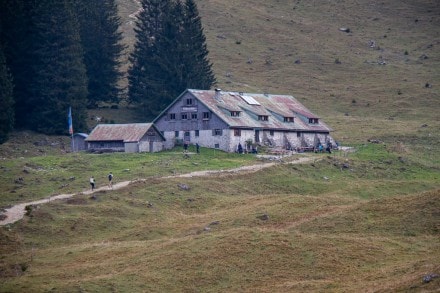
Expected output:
(16, 212)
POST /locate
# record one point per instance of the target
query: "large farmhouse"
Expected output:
(220, 119)
(129, 138)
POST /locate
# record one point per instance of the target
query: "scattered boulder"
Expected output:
(374, 141)
(183, 186)
(263, 217)
(430, 277)
(344, 29)
(19, 180)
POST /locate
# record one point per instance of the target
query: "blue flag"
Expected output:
(69, 120)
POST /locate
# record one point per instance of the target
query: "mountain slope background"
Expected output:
(378, 79)
(362, 221)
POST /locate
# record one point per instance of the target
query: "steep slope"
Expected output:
(382, 75)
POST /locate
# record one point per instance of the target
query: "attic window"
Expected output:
(206, 115)
(172, 116)
(288, 119)
(184, 116)
(263, 117)
(235, 113)
(313, 120)
(189, 102)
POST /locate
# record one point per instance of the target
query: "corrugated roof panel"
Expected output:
(120, 132)
(283, 105)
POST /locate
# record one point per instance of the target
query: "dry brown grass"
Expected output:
(372, 228)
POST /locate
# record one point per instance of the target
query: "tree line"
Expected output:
(56, 54)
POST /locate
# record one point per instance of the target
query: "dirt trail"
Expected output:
(16, 213)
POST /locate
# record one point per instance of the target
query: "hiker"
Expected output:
(329, 148)
(92, 183)
(185, 147)
(240, 148)
(110, 180)
(197, 148)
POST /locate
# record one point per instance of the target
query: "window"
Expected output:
(263, 118)
(189, 101)
(237, 132)
(235, 113)
(194, 116)
(217, 132)
(271, 132)
(176, 133)
(217, 146)
(172, 116)
(288, 119)
(298, 134)
(184, 116)
(187, 134)
(313, 120)
(206, 115)
(196, 133)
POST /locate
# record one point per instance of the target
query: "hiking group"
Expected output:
(110, 181)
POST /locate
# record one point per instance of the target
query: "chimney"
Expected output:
(217, 94)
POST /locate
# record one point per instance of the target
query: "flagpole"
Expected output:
(73, 144)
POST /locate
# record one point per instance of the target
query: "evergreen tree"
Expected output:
(101, 41)
(164, 62)
(146, 81)
(199, 73)
(60, 75)
(6, 100)
(16, 39)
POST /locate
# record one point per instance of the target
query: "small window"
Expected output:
(187, 134)
(184, 116)
(271, 132)
(313, 120)
(194, 116)
(263, 118)
(206, 115)
(288, 119)
(217, 146)
(172, 116)
(176, 133)
(189, 101)
(237, 132)
(235, 113)
(196, 133)
(217, 132)
(298, 134)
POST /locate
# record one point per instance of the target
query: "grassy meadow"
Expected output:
(366, 220)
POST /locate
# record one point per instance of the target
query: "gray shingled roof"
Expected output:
(277, 107)
(119, 132)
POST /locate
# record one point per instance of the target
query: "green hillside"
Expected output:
(378, 80)
(364, 220)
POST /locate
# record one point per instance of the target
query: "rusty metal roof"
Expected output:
(252, 106)
(119, 132)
